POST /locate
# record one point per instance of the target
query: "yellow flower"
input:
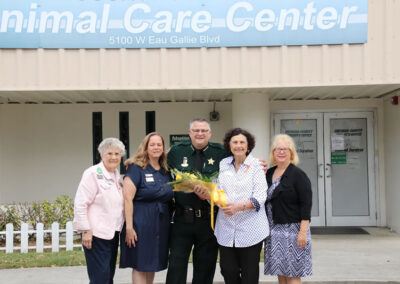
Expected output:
(178, 177)
(192, 176)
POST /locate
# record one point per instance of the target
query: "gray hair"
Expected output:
(199, 120)
(111, 142)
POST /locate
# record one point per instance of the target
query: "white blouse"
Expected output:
(249, 227)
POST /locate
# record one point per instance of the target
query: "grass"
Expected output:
(51, 259)
(46, 259)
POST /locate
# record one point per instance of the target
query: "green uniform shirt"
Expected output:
(182, 157)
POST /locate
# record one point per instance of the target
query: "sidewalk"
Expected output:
(373, 258)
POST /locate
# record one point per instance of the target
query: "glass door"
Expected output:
(306, 130)
(336, 152)
(349, 172)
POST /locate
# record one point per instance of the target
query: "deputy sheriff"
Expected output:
(191, 228)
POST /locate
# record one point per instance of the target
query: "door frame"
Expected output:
(373, 160)
(370, 220)
(318, 116)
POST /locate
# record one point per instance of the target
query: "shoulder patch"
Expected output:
(216, 145)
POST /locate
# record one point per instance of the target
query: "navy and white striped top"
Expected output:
(249, 227)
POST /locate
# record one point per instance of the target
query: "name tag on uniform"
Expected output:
(149, 177)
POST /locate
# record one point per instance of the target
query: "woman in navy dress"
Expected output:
(288, 248)
(144, 237)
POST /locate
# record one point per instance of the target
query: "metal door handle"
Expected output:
(328, 169)
(321, 170)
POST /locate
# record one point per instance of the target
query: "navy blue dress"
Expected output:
(151, 220)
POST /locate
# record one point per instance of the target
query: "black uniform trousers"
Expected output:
(184, 236)
(240, 265)
(101, 260)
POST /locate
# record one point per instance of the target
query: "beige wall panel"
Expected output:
(110, 69)
(28, 65)
(252, 68)
(232, 63)
(192, 67)
(392, 25)
(172, 64)
(211, 71)
(392, 164)
(72, 68)
(293, 61)
(90, 69)
(131, 68)
(152, 67)
(8, 61)
(271, 59)
(47, 68)
(354, 72)
(377, 37)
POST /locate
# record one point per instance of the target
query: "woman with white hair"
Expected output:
(98, 212)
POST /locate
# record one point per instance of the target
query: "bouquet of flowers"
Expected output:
(185, 182)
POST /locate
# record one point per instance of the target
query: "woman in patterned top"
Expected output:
(288, 248)
(241, 226)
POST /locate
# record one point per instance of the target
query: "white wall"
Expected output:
(392, 164)
(45, 148)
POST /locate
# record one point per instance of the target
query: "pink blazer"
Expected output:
(99, 203)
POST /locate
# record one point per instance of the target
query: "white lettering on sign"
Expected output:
(138, 18)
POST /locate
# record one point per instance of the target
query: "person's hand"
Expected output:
(87, 239)
(201, 192)
(230, 209)
(264, 164)
(302, 239)
(131, 237)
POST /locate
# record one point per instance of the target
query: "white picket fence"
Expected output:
(40, 232)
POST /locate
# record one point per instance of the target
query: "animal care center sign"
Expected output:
(180, 23)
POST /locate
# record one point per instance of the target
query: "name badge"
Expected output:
(149, 177)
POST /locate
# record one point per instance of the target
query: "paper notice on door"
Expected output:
(337, 142)
(353, 161)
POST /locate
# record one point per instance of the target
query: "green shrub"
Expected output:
(46, 212)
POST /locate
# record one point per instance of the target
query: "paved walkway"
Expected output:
(373, 258)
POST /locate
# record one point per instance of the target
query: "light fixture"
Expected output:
(214, 115)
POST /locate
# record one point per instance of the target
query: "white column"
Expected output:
(251, 112)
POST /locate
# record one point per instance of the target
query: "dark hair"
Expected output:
(251, 141)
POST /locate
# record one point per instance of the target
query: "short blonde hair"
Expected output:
(141, 158)
(294, 158)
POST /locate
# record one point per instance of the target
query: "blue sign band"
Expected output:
(180, 23)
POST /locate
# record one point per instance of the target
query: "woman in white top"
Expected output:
(241, 226)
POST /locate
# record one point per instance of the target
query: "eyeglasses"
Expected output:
(110, 154)
(199, 130)
(281, 149)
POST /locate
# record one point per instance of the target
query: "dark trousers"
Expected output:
(240, 265)
(184, 236)
(101, 260)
